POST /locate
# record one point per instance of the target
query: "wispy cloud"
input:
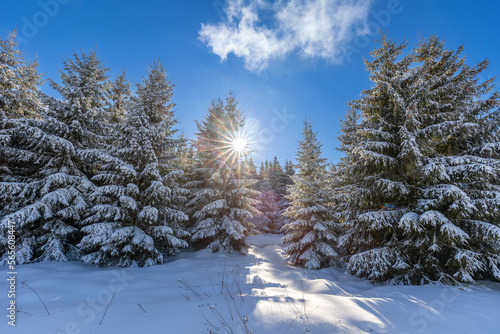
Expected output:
(260, 31)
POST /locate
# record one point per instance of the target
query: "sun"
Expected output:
(236, 145)
(239, 145)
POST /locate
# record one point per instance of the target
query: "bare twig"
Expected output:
(106, 311)
(22, 311)
(191, 289)
(222, 321)
(143, 310)
(27, 285)
(211, 324)
(223, 277)
(232, 292)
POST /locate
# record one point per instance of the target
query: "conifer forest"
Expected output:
(104, 193)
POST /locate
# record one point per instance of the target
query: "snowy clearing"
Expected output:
(184, 296)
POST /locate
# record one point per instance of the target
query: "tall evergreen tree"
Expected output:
(274, 173)
(52, 203)
(286, 181)
(222, 203)
(135, 218)
(85, 90)
(19, 81)
(456, 236)
(269, 219)
(379, 184)
(249, 168)
(310, 236)
(416, 171)
(119, 98)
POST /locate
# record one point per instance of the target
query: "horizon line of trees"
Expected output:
(101, 174)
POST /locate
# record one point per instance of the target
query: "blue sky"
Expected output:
(285, 61)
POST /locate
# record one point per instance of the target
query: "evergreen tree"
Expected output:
(274, 173)
(289, 170)
(135, 217)
(342, 175)
(419, 167)
(286, 181)
(269, 221)
(262, 171)
(119, 97)
(250, 170)
(283, 180)
(376, 170)
(310, 235)
(85, 90)
(222, 202)
(186, 156)
(46, 156)
(349, 139)
(19, 81)
(271, 197)
(453, 232)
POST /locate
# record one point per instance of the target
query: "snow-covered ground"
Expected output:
(259, 291)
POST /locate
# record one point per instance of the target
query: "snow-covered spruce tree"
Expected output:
(310, 236)
(135, 217)
(269, 220)
(273, 182)
(453, 233)
(285, 181)
(438, 216)
(84, 109)
(84, 113)
(266, 220)
(279, 182)
(274, 173)
(49, 202)
(340, 174)
(289, 171)
(249, 169)
(349, 140)
(377, 173)
(19, 81)
(222, 201)
(119, 97)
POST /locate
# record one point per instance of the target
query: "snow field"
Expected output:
(260, 294)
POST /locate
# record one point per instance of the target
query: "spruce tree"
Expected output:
(286, 181)
(249, 168)
(46, 156)
(310, 236)
(135, 217)
(456, 236)
(119, 97)
(344, 172)
(85, 89)
(222, 201)
(269, 220)
(378, 169)
(19, 81)
(274, 173)
(420, 176)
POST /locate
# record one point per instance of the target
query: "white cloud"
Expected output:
(312, 28)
